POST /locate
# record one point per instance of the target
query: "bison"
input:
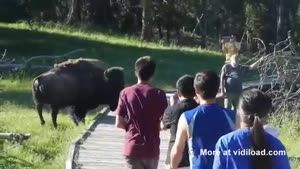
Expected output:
(83, 84)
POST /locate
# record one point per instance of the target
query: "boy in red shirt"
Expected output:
(139, 113)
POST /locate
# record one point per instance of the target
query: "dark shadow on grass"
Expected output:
(18, 97)
(14, 162)
(24, 98)
(171, 63)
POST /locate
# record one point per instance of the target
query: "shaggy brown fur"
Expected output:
(83, 84)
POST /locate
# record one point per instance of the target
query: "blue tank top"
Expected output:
(207, 123)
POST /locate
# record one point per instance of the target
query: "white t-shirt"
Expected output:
(271, 130)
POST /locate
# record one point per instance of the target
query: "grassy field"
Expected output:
(21, 42)
(288, 125)
(47, 149)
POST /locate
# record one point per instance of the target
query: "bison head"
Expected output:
(114, 76)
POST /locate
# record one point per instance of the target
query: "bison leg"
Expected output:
(79, 115)
(54, 116)
(39, 108)
(82, 116)
(74, 118)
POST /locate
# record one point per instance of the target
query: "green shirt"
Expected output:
(232, 77)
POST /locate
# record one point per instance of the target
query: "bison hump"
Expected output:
(82, 63)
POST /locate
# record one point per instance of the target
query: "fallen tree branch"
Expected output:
(3, 55)
(10, 66)
(283, 64)
(53, 57)
(17, 137)
(198, 19)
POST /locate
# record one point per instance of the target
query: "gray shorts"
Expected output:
(231, 101)
(136, 163)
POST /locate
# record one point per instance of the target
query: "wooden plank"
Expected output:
(74, 148)
(104, 147)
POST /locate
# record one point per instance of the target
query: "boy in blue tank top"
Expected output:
(203, 126)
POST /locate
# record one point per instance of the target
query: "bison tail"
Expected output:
(38, 87)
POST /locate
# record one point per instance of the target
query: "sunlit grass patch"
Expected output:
(48, 147)
(288, 125)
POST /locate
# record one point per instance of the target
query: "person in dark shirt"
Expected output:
(201, 127)
(231, 80)
(139, 112)
(185, 94)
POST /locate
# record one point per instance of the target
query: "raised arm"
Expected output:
(179, 145)
(222, 80)
(255, 64)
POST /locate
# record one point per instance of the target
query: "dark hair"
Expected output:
(145, 68)
(255, 105)
(185, 85)
(207, 84)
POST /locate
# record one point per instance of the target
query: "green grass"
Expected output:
(47, 149)
(16, 92)
(90, 34)
(288, 125)
(172, 62)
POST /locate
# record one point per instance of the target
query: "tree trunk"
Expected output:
(279, 20)
(161, 36)
(78, 10)
(283, 20)
(170, 20)
(71, 11)
(105, 14)
(204, 23)
(147, 20)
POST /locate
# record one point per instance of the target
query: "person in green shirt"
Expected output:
(231, 80)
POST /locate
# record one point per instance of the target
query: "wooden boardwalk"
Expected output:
(103, 149)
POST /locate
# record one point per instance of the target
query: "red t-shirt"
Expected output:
(143, 106)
